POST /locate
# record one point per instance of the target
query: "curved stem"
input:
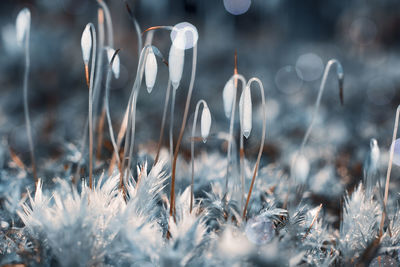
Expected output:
(189, 95)
(91, 107)
(130, 130)
(163, 121)
(168, 28)
(110, 34)
(389, 170)
(196, 113)
(107, 107)
(26, 107)
(136, 25)
(260, 85)
(171, 126)
(231, 124)
(339, 71)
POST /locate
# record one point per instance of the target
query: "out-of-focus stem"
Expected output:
(26, 107)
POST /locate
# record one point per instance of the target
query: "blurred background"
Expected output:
(284, 43)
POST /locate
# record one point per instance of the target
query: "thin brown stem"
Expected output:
(389, 170)
(172, 211)
(313, 221)
(100, 129)
(262, 139)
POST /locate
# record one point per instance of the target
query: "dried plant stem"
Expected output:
(163, 122)
(92, 71)
(260, 85)
(231, 125)
(131, 123)
(171, 126)
(97, 84)
(107, 106)
(196, 113)
(189, 96)
(107, 112)
(100, 129)
(124, 124)
(82, 149)
(26, 107)
(389, 170)
(169, 28)
(130, 131)
(313, 221)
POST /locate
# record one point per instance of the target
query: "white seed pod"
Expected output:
(115, 65)
(300, 168)
(86, 44)
(23, 25)
(205, 123)
(150, 70)
(228, 95)
(245, 111)
(176, 59)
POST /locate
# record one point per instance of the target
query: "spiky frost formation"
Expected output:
(188, 237)
(85, 228)
(139, 240)
(75, 226)
(319, 245)
(220, 209)
(360, 225)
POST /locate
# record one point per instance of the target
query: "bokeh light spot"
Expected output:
(289, 79)
(190, 32)
(237, 7)
(311, 66)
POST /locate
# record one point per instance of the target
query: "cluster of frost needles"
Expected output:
(225, 208)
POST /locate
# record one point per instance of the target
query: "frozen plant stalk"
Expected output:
(205, 130)
(23, 25)
(87, 41)
(245, 114)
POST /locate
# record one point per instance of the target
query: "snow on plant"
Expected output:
(360, 223)
(80, 227)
